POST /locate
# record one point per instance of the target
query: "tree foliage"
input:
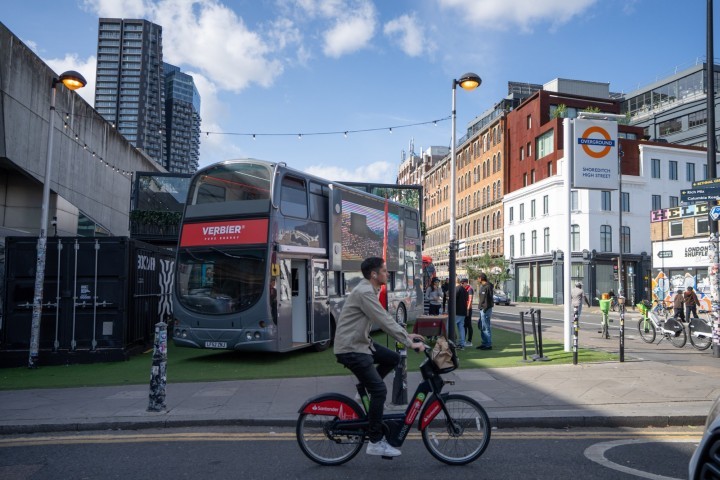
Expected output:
(496, 268)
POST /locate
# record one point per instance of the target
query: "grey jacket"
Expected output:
(362, 311)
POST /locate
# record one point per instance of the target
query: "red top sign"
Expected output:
(228, 232)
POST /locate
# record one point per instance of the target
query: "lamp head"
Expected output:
(72, 80)
(469, 81)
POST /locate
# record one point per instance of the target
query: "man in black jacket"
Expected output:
(485, 305)
(461, 298)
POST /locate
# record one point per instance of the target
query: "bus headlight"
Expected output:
(257, 335)
(249, 336)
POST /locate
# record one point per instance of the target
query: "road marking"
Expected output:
(596, 453)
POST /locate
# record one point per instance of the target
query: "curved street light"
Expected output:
(72, 81)
(468, 81)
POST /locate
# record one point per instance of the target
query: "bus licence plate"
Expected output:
(215, 344)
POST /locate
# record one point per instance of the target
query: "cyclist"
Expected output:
(578, 295)
(356, 350)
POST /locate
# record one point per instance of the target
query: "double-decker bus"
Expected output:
(267, 254)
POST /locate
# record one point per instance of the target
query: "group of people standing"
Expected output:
(464, 297)
(687, 299)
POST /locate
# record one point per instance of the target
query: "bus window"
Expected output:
(351, 280)
(293, 198)
(228, 183)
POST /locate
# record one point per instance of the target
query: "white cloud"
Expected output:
(85, 67)
(119, 9)
(505, 14)
(408, 33)
(380, 172)
(352, 31)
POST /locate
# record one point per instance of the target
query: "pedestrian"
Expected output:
(468, 317)
(461, 297)
(691, 302)
(578, 295)
(485, 305)
(356, 350)
(678, 302)
(445, 288)
(434, 295)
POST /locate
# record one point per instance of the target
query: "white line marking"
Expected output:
(596, 453)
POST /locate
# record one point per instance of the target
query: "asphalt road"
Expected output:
(259, 453)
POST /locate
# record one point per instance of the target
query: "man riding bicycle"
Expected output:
(356, 350)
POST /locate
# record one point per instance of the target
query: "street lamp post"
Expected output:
(469, 81)
(72, 80)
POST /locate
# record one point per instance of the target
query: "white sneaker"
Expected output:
(468, 344)
(382, 448)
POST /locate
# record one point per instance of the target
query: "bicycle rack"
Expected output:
(537, 337)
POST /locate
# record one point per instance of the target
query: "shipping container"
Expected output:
(102, 297)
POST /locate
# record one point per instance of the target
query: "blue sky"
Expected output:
(305, 66)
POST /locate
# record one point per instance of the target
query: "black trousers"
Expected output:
(468, 326)
(363, 366)
(434, 309)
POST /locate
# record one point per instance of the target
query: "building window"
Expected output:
(670, 126)
(528, 147)
(546, 240)
(676, 228)
(550, 169)
(690, 172)
(575, 237)
(655, 168)
(656, 202)
(545, 144)
(522, 244)
(574, 201)
(522, 153)
(532, 209)
(546, 205)
(532, 176)
(533, 242)
(511, 215)
(525, 180)
(512, 246)
(529, 122)
(673, 170)
(625, 201)
(605, 201)
(674, 201)
(522, 212)
(697, 119)
(625, 239)
(605, 238)
(702, 225)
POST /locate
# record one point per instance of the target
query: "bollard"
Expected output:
(540, 355)
(621, 302)
(522, 338)
(535, 338)
(158, 373)
(575, 336)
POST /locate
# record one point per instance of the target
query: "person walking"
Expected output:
(461, 297)
(356, 350)
(691, 303)
(468, 317)
(678, 303)
(445, 288)
(578, 295)
(434, 295)
(485, 305)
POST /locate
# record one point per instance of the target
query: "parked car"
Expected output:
(501, 297)
(705, 462)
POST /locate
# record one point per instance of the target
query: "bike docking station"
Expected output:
(537, 337)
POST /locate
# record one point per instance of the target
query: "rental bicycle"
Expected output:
(700, 330)
(332, 428)
(656, 320)
(605, 305)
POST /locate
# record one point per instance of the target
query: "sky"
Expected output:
(292, 72)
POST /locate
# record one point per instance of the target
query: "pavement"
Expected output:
(635, 393)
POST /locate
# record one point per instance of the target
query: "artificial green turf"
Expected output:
(196, 365)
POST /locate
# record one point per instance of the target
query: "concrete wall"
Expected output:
(78, 177)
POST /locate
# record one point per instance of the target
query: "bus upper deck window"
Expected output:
(293, 197)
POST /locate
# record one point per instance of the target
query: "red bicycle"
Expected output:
(332, 428)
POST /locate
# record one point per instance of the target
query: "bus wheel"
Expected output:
(322, 346)
(401, 314)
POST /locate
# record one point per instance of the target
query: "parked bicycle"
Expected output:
(700, 330)
(657, 320)
(605, 305)
(332, 427)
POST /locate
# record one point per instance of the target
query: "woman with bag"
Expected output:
(434, 295)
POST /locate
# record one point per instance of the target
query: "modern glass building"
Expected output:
(182, 121)
(130, 88)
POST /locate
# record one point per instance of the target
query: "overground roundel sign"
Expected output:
(594, 159)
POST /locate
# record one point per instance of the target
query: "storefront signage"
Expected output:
(595, 154)
(679, 212)
(691, 252)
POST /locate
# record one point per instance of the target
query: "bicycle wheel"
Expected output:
(646, 330)
(701, 341)
(605, 333)
(321, 445)
(463, 437)
(681, 339)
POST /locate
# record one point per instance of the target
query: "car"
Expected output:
(500, 297)
(705, 462)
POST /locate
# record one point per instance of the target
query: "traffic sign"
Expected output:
(710, 182)
(665, 254)
(706, 194)
(715, 213)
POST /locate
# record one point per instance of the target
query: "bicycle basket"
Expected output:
(444, 358)
(647, 304)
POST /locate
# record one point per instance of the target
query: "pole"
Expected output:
(42, 240)
(158, 371)
(567, 257)
(452, 246)
(712, 168)
(621, 291)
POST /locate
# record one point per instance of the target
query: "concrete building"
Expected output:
(90, 181)
(674, 109)
(535, 205)
(130, 85)
(182, 121)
